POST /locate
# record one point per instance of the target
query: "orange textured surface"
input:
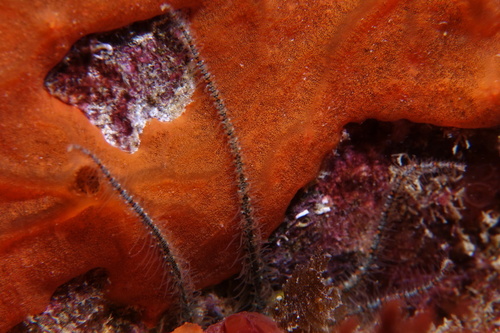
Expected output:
(292, 75)
(250, 322)
(188, 328)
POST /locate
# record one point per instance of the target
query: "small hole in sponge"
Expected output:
(87, 180)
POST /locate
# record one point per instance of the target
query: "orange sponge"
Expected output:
(292, 75)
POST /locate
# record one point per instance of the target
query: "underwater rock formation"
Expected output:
(388, 220)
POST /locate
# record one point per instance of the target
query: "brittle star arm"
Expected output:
(185, 296)
(254, 266)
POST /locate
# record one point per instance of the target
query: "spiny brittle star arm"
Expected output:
(179, 280)
(254, 266)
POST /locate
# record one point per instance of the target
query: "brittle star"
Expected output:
(253, 265)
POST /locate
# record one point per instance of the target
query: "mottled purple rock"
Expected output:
(399, 211)
(121, 79)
